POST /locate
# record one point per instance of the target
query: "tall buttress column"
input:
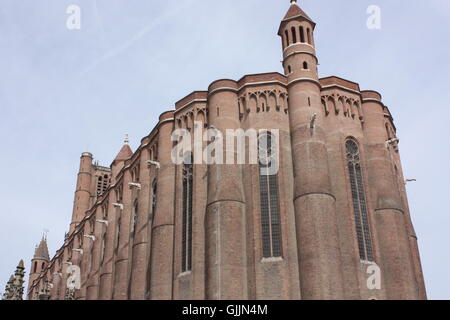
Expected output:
(121, 278)
(397, 270)
(82, 192)
(161, 262)
(225, 228)
(107, 265)
(140, 243)
(92, 287)
(413, 241)
(314, 203)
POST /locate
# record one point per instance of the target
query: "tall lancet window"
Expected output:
(154, 191)
(119, 219)
(269, 198)
(186, 238)
(359, 201)
(134, 218)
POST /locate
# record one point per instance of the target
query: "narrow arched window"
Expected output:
(186, 238)
(388, 132)
(308, 34)
(302, 35)
(359, 201)
(35, 267)
(154, 189)
(305, 65)
(134, 217)
(119, 219)
(102, 249)
(105, 183)
(294, 35)
(99, 185)
(286, 33)
(269, 198)
(103, 237)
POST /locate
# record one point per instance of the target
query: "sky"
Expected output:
(63, 92)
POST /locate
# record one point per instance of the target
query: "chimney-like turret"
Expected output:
(82, 193)
(314, 202)
(39, 262)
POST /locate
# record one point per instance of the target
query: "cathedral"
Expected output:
(332, 223)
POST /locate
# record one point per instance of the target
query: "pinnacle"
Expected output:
(295, 11)
(41, 251)
(125, 152)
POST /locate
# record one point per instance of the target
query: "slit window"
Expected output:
(186, 238)
(302, 35)
(359, 201)
(269, 197)
(154, 189)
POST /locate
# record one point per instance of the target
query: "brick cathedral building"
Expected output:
(146, 228)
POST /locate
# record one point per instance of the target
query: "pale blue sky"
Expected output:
(64, 92)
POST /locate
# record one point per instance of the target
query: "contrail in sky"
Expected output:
(157, 21)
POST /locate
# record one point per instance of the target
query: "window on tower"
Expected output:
(294, 35)
(186, 238)
(308, 34)
(302, 35)
(286, 33)
(269, 198)
(305, 65)
(102, 184)
(359, 201)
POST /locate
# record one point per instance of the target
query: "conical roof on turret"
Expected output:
(295, 12)
(41, 251)
(125, 152)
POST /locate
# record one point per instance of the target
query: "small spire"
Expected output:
(294, 12)
(125, 152)
(41, 251)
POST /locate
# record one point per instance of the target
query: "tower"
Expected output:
(314, 203)
(82, 193)
(39, 261)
